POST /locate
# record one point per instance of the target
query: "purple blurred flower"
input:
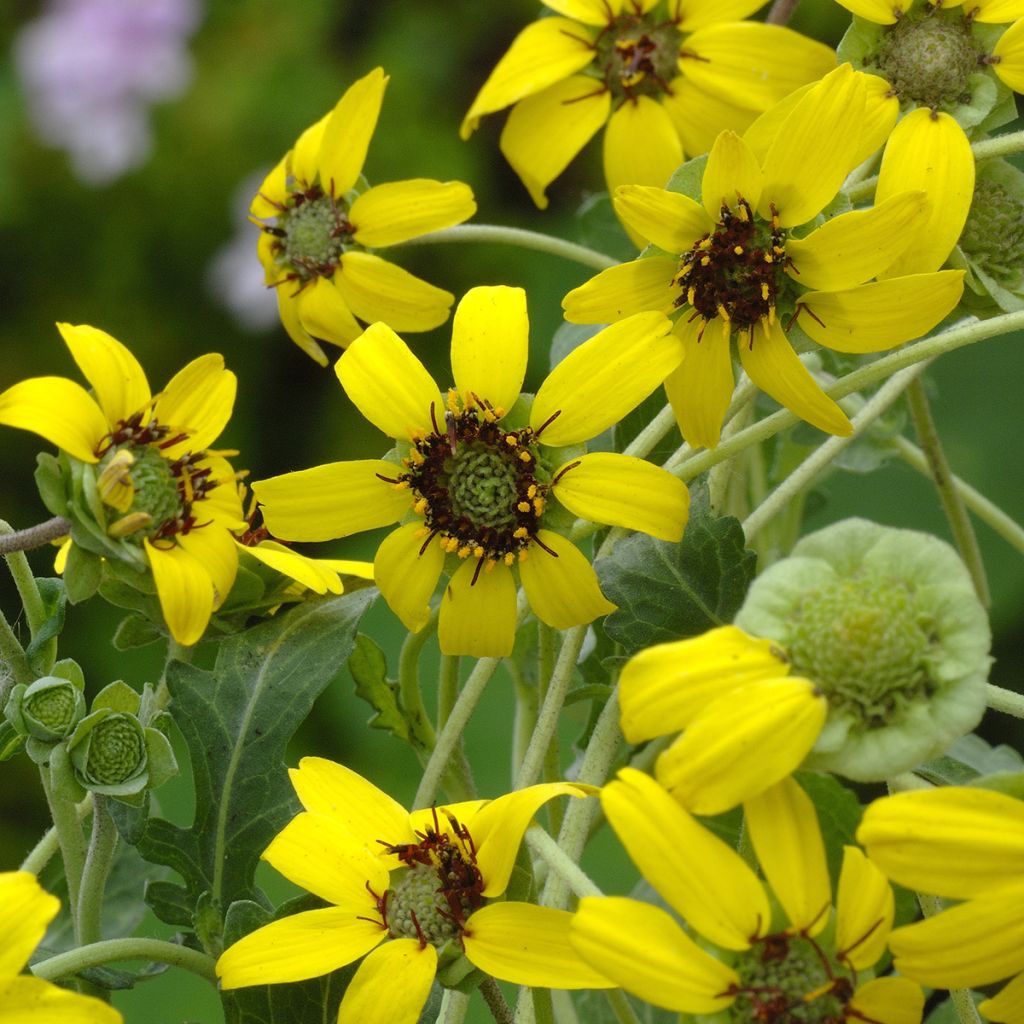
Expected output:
(90, 69)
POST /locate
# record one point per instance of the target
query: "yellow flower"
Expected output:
(728, 265)
(159, 497)
(424, 881)
(666, 77)
(25, 911)
(319, 224)
(764, 952)
(473, 473)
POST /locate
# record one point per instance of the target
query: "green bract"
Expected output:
(887, 623)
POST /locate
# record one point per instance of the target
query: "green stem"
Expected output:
(645, 442)
(519, 237)
(42, 853)
(98, 860)
(525, 717)
(447, 687)
(421, 732)
(115, 950)
(25, 581)
(70, 837)
(966, 1011)
(13, 654)
(500, 1010)
(543, 1008)
(561, 863)
(952, 503)
(1007, 701)
(552, 766)
(34, 536)
(454, 1007)
(621, 1006)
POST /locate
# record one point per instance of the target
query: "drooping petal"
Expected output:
(604, 378)
(545, 131)
(272, 193)
(185, 590)
(622, 291)
(302, 946)
(865, 907)
(640, 948)
(388, 384)
(117, 379)
(545, 52)
(670, 220)
(478, 618)
(1007, 1006)
(59, 411)
(888, 1001)
(690, 16)
(288, 310)
(700, 390)
(491, 345)
(562, 587)
(213, 547)
(528, 945)
(395, 212)
(699, 116)
(620, 490)
(318, 575)
(881, 314)
(331, 501)
(25, 1000)
(698, 875)
(1010, 51)
(732, 173)
(776, 369)
(323, 313)
(25, 911)
(391, 985)
(406, 570)
(198, 399)
(347, 134)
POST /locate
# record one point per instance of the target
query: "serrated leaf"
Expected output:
(135, 631)
(171, 903)
(368, 667)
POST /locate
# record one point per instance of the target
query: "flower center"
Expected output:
(56, 708)
(638, 56)
(311, 234)
(993, 236)
(116, 750)
(733, 272)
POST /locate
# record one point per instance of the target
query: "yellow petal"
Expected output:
(700, 390)
(605, 378)
(689, 16)
(865, 906)
(302, 161)
(347, 133)
(545, 52)
(184, 588)
(288, 310)
(619, 490)
(881, 12)
(117, 379)
(742, 743)
(699, 876)
(389, 385)
(732, 173)
(391, 985)
(198, 399)
(1010, 51)
(491, 345)
(528, 945)
(625, 290)
(315, 574)
(881, 112)
(393, 213)
(545, 131)
(323, 313)
(996, 11)
(407, 567)
(930, 152)
(699, 116)
(765, 128)
(25, 911)
(560, 583)
(776, 369)
(640, 948)
(881, 314)
(34, 1001)
(1007, 1005)
(590, 12)
(670, 220)
(272, 193)
(478, 618)
(331, 501)
(888, 1001)
(59, 411)
(213, 547)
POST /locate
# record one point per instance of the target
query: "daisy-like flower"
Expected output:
(481, 474)
(773, 956)
(959, 843)
(143, 487)
(320, 225)
(727, 266)
(25, 911)
(413, 891)
(665, 76)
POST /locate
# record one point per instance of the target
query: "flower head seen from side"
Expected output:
(773, 953)
(412, 893)
(25, 911)
(142, 486)
(482, 479)
(320, 225)
(665, 76)
(731, 264)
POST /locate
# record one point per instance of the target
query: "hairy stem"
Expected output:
(98, 860)
(495, 1000)
(621, 1006)
(33, 536)
(421, 732)
(13, 655)
(42, 853)
(1007, 701)
(70, 837)
(115, 950)
(561, 863)
(781, 12)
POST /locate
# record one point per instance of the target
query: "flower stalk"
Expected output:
(115, 950)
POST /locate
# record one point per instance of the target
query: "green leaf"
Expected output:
(368, 667)
(969, 758)
(82, 574)
(668, 591)
(171, 903)
(51, 590)
(50, 484)
(135, 631)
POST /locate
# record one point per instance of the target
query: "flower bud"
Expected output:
(108, 753)
(46, 710)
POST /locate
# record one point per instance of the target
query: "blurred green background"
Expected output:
(133, 256)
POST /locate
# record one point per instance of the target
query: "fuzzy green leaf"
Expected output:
(368, 667)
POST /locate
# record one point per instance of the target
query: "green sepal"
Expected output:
(161, 762)
(208, 924)
(40, 651)
(367, 665)
(28, 721)
(63, 783)
(455, 971)
(50, 483)
(136, 631)
(133, 779)
(82, 574)
(69, 669)
(118, 696)
(688, 179)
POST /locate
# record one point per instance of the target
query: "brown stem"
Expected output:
(34, 536)
(781, 12)
(500, 1010)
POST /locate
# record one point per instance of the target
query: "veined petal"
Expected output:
(776, 369)
(852, 248)
(198, 399)
(388, 384)
(670, 220)
(640, 948)
(288, 310)
(630, 288)
(25, 1000)
(590, 12)
(732, 173)
(766, 127)
(1010, 51)
(742, 743)
(996, 11)
(930, 152)
(881, 12)
(491, 345)
(185, 590)
(478, 618)
(331, 501)
(303, 946)
(787, 838)
(546, 130)
(700, 876)
(213, 547)
(545, 52)
(391, 985)
(528, 945)
(25, 911)
(881, 112)
(560, 583)
(878, 315)
(59, 411)
(318, 575)
(395, 212)
(889, 1001)
(662, 688)
(272, 192)
(699, 116)
(690, 16)
(1007, 1005)
(620, 490)
(375, 289)
(116, 377)
(604, 378)
(348, 131)
(865, 907)
(323, 313)
(700, 390)
(406, 569)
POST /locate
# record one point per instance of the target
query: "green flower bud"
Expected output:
(47, 710)
(108, 753)
(888, 625)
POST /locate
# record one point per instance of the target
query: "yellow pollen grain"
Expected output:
(738, 249)
(452, 400)
(768, 258)
(524, 456)
(511, 440)
(690, 295)
(520, 533)
(478, 552)
(421, 506)
(523, 554)
(489, 565)
(722, 311)
(523, 506)
(538, 505)
(705, 261)
(764, 289)
(417, 457)
(509, 558)
(464, 552)
(400, 485)
(451, 544)
(742, 210)
(704, 243)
